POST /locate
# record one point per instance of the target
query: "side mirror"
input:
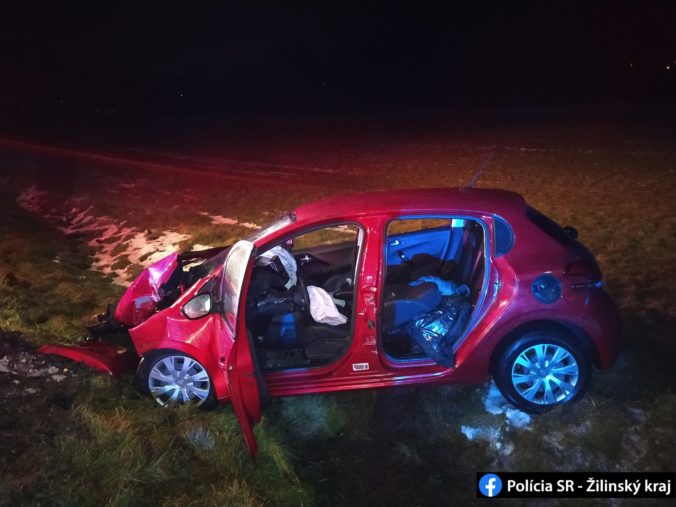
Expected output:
(571, 231)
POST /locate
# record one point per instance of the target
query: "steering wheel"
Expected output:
(301, 297)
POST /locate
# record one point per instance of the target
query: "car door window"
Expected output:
(232, 278)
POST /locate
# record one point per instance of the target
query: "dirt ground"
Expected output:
(79, 222)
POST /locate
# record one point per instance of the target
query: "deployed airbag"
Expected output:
(322, 307)
(287, 260)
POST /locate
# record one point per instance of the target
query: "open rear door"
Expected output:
(248, 390)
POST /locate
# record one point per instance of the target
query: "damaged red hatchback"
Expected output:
(372, 290)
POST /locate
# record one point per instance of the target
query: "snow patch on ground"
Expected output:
(126, 245)
(198, 246)
(507, 420)
(118, 247)
(492, 435)
(221, 220)
(496, 404)
(145, 251)
(488, 433)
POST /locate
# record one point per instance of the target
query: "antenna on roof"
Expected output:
(481, 169)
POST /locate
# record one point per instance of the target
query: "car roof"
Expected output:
(495, 201)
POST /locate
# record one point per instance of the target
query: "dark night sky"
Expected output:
(150, 57)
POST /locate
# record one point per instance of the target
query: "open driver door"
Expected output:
(248, 389)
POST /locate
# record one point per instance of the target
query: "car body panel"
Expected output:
(244, 380)
(140, 300)
(210, 342)
(107, 357)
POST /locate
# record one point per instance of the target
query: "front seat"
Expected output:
(325, 343)
(403, 303)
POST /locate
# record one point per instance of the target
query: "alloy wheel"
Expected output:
(178, 379)
(545, 374)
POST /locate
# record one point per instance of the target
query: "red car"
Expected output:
(372, 290)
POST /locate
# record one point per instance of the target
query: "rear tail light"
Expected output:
(585, 272)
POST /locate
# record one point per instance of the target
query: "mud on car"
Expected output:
(371, 290)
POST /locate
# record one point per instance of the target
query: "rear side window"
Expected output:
(549, 226)
(504, 237)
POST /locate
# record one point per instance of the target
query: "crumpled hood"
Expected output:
(140, 300)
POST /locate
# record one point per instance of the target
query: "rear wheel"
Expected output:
(173, 378)
(542, 369)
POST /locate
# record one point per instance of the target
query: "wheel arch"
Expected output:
(575, 332)
(169, 350)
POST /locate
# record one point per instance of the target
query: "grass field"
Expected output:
(69, 436)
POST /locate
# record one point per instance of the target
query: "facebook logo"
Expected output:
(490, 485)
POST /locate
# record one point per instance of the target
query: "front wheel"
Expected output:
(173, 378)
(542, 369)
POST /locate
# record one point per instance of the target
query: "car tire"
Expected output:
(161, 376)
(542, 369)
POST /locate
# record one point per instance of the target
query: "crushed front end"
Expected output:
(109, 348)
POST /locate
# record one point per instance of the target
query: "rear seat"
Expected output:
(403, 303)
(420, 265)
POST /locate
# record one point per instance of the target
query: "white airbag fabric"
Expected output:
(322, 307)
(287, 260)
